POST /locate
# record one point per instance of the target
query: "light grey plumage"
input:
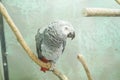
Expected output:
(50, 43)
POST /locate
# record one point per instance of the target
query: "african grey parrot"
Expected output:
(51, 41)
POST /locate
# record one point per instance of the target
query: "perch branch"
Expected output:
(60, 75)
(81, 59)
(118, 1)
(101, 12)
(21, 40)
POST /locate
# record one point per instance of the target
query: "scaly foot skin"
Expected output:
(52, 66)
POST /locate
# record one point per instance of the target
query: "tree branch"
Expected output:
(59, 74)
(81, 59)
(118, 1)
(101, 12)
(21, 40)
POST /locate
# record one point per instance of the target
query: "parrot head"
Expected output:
(69, 32)
(64, 29)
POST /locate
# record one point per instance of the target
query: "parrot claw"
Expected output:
(52, 66)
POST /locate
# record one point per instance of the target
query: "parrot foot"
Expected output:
(46, 61)
(52, 66)
(44, 69)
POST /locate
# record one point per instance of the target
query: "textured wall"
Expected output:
(97, 39)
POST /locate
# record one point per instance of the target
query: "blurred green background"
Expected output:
(97, 39)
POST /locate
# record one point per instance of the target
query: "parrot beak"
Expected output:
(71, 35)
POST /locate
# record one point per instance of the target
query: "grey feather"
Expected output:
(52, 41)
(64, 44)
(39, 38)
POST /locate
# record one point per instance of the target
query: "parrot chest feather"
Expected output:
(51, 53)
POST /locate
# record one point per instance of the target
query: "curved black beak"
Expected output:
(71, 35)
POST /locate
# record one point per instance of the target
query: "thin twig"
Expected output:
(81, 59)
(21, 40)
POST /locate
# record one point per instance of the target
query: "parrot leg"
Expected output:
(45, 61)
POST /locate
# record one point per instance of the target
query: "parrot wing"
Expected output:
(39, 39)
(64, 44)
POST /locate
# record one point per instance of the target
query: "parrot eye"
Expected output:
(66, 28)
